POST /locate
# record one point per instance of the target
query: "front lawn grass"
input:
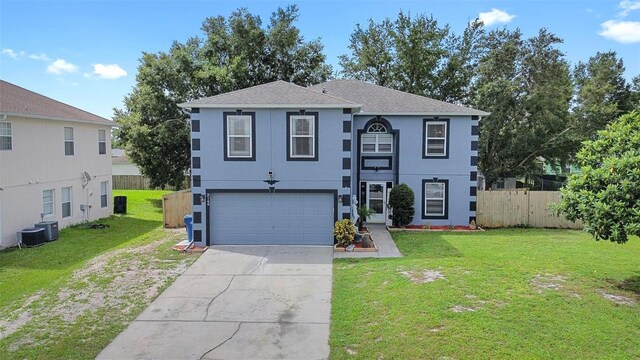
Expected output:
(510, 294)
(69, 298)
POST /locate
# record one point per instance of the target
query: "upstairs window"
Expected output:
(303, 136)
(102, 142)
(377, 140)
(68, 141)
(436, 134)
(239, 136)
(6, 141)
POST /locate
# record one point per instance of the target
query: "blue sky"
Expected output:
(85, 53)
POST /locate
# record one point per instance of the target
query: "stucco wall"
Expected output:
(271, 155)
(413, 169)
(37, 162)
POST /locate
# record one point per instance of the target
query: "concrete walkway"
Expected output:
(238, 302)
(386, 246)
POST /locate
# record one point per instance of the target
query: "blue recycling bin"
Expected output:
(188, 222)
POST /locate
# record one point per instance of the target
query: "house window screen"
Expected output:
(48, 197)
(239, 136)
(436, 139)
(302, 136)
(102, 142)
(6, 140)
(104, 193)
(66, 202)
(434, 199)
(68, 141)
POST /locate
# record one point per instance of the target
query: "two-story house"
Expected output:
(55, 163)
(280, 163)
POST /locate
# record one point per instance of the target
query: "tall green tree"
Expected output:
(414, 54)
(602, 93)
(526, 85)
(372, 54)
(232, 54)
(420, 53)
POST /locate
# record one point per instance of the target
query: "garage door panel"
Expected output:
(280, 218)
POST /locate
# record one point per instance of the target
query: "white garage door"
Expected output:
(272, 219)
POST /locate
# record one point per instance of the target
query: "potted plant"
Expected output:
(364, 213)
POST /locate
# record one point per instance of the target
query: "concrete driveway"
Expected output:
(238, 302)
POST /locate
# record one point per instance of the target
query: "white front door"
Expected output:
(377, 201)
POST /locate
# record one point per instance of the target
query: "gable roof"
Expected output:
(277, 94)
(380, 100)
(15, 100)
(119, 157)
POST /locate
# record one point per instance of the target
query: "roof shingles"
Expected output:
(380, 100)
(19, 101)
(273, 94)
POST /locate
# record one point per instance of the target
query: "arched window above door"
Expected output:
(377, 128)
(376, 140)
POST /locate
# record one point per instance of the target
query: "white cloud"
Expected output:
(12, 54)
(626, 32)
(495, 16)
(61, 66)
(110, 71)
(628, 6)
(41, 57)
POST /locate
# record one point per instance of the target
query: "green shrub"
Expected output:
(605, 196)
(344, 231)
(401, 201)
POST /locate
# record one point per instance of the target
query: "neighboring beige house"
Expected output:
(121, 164)
(54, 163)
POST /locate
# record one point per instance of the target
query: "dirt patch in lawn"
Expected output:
(547, 282)
(618, 299)
(115, 285)
(460, 309)
(421, 277)
(17, 318)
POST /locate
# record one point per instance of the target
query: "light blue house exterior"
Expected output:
(279, 163)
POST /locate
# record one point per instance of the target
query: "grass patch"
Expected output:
(512, 293)
(71, 297)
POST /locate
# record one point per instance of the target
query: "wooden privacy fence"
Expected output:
(506, 208)
(138, 182)
(174, 207)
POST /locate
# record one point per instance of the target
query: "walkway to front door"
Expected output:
(238, 302)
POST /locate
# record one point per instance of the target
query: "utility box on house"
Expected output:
(50, 229)
(31, 237)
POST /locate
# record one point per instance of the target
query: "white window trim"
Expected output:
(427, 138)
(312, 136)
(52, 202)
(377, 143)
(72, 141)
(102, 141)
(443, 198)
(248, 136)
(105, 194)
(10, 136)
(70, 202)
